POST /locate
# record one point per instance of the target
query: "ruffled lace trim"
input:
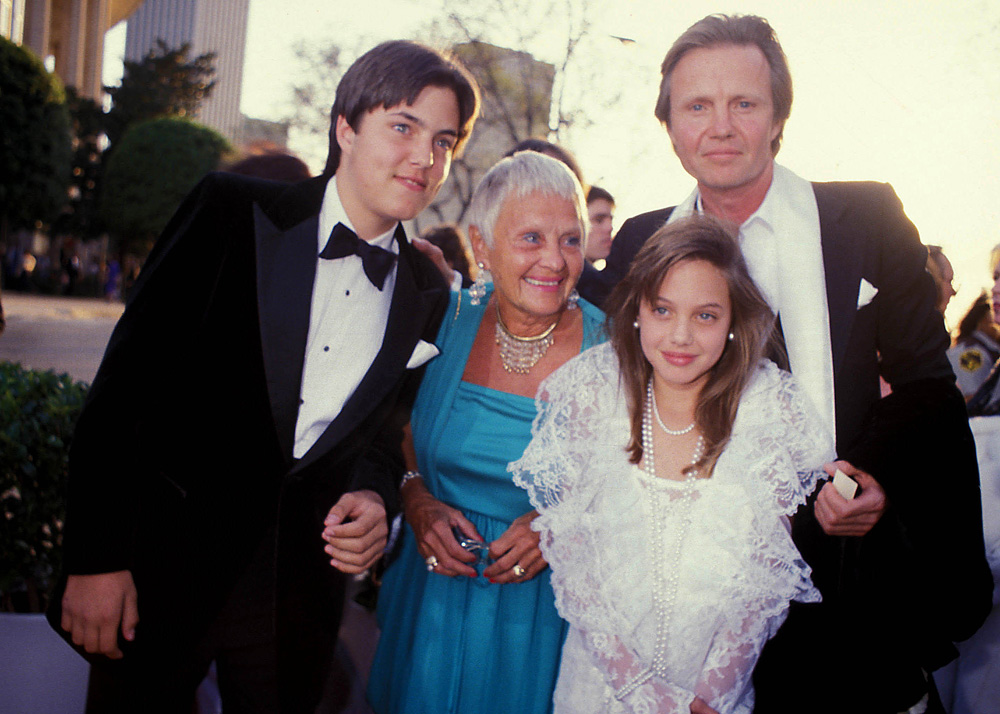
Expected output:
(739, 566)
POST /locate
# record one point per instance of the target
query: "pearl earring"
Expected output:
(731, 336)
(635, 324)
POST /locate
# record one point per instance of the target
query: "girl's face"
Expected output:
(684, 332)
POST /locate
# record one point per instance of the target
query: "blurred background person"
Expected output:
(940, 269)
(448, 237)
(986, 400)
(474, 628)
(971, 684)
(274, 164)
(601, 209)
(976, 347)
(555, 151)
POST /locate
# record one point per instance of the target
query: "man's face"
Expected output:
(393, 163)
(722, 116)
(602, 213)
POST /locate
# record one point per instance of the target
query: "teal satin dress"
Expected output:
(464, 645)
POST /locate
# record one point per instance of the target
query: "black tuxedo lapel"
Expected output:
(286, 269)
(842, 260)
(408, 314)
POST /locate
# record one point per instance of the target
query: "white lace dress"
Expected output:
(671, 588)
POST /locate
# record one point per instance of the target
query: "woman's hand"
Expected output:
(518, 546)
(698, 706)
(432, 521)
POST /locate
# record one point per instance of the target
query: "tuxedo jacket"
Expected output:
(181, 462)
(896, 598)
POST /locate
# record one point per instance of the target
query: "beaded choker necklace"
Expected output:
(520, 354)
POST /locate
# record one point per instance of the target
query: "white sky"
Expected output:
(891, 90)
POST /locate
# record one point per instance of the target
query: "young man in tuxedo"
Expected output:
(243, 432)
(900, 566)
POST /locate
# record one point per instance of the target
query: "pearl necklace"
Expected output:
(665, 565)
(519, 354)
(656, 413)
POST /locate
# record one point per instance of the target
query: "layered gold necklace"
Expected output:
(519, 354)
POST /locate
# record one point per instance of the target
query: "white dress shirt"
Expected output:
(347, 321)
(781, 244)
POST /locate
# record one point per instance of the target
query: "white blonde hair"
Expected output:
(524, 173)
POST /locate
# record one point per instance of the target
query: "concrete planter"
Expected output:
(39, 673)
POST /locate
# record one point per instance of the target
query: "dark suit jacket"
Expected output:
(182, 458)
(895, 599)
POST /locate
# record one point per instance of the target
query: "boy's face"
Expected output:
(393, 163)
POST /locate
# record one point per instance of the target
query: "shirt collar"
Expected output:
(332, 212)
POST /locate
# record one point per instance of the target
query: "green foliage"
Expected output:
(35, 148)
(38, 411)
(163, 83)
(153, 168)
(81, 215)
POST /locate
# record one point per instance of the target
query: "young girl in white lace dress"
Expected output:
(665, 466)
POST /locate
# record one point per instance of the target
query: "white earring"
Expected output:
(731, 336)
(477, 291)
(635, 324)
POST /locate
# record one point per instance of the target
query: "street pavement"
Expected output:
(66, 335)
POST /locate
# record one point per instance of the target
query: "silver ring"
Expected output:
(517, 570)
(432, 563)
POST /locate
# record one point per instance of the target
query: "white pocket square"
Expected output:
(422, 353)
(866, 293)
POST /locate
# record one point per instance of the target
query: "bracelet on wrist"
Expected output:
(409, 476)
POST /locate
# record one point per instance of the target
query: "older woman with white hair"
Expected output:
(467, 612)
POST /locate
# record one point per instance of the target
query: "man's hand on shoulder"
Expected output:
(95, 606)
(436, 256)
(841, 517)
(356, 531)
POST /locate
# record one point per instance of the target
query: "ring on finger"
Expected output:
(432, 563)
(517, 570)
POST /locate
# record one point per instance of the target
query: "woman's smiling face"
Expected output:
(536, 257)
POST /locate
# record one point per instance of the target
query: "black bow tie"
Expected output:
(377, 262)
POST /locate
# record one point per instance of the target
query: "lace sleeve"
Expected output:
(572, 409)
(725, 679)
(786, 430)
(573, 472)
(633, 682)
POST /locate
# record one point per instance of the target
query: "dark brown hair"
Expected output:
(549, 149)
(752, 323)
(716, 30)
(395, 72)
(448, 237)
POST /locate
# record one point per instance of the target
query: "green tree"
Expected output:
(155, 165)
(81, 216)
(35, 146)
(163, 83)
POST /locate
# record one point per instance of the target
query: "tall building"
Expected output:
(218, 26)
(12, 20)
(67, 34)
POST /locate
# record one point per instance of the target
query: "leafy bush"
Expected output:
(37, 413)
(149, 173)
